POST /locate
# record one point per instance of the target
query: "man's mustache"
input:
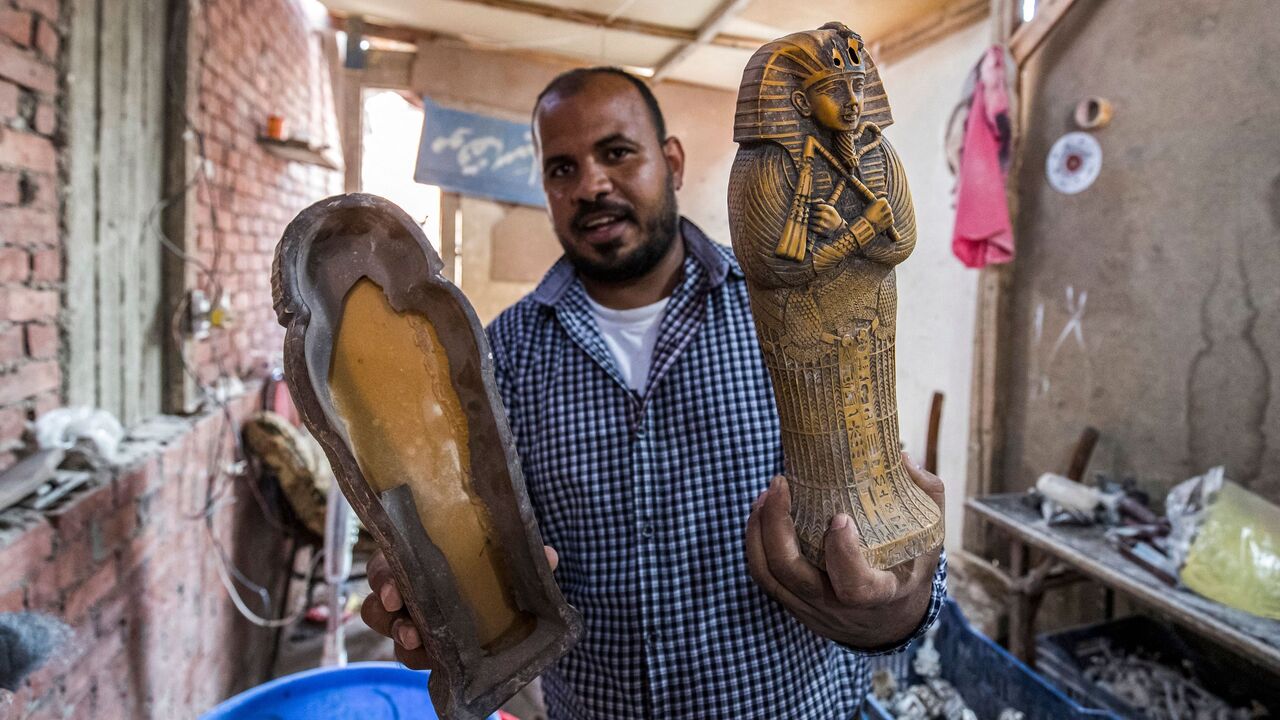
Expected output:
(587, 209)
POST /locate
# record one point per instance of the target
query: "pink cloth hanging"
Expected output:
(983, 233)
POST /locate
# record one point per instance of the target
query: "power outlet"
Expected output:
(199, 312)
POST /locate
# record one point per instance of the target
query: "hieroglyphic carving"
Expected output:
(820, 214)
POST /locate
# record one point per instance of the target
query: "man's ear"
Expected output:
(801, 101)
(673, 151)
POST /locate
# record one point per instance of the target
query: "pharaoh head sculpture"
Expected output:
(820, 83)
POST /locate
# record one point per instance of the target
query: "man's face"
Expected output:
(836, 104)
(610, 182)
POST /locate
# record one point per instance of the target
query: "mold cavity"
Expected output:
(390, 381)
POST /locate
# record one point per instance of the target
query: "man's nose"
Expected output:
(593, 182)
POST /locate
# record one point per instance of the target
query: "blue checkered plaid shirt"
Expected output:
(646, 498)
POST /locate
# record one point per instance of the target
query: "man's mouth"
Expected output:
(602, 226)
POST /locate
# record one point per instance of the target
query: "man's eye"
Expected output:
(557, 171)
(618, 153)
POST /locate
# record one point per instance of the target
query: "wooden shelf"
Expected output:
(299, 151)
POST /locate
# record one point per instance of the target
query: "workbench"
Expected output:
(1073, 552)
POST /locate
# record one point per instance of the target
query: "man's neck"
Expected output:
(647, 289)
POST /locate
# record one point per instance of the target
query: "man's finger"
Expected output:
(782, 548)
(405, 633)
(417, 659)
(376, 616)
(383, 583)
(758, 567)
(931, 484)
(553, 557)
(853, 580)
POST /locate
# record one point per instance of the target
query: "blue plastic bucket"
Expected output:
(359, 691)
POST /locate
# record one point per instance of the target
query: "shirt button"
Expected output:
(646, 530)
(651, 637)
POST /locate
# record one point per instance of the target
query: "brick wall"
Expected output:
(30, 247)
(127, 561)
(257, 63)
(129, 567)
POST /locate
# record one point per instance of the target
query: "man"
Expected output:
(646, 428)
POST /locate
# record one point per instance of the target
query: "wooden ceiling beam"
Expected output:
(929, 30)
(1028, 36)
(624, 24)
(706, 33)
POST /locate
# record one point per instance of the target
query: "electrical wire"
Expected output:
(219, 479)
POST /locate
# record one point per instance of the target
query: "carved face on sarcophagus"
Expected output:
(820, 214)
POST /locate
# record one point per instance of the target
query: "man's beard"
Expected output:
(658, 233)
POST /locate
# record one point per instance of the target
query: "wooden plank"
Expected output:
(112, 217)
(389, 69)
(131, 205)
(1087, 551)
(181, 393)
(1029, 35)
(719, 17)
(930, 29)
(985, 432)
(352, 127)
(609, 22)
(80, 308)
(450, 235)
(151, 310)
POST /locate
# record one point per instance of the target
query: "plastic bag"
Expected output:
(1227, 542)
(65, 427)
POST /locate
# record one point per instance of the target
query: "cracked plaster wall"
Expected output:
(1169, 265)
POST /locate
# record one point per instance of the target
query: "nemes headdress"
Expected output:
(798, 62)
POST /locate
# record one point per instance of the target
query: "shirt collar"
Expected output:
(697, 245)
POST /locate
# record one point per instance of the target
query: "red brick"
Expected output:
(46, 402)
(72, 563)
(71, 519)
(10, 183)
(13, 601)
(13, 421)
(41, 191)
(28, 550)
(28, 226)
(118, 529)
(10, 103)
(27, 150)
(20, 304)
(46, 119)
(48, 40)
(42, 341)
(15, 265)
(16, 25)
(87, 595)
(30, 379)
(46, 265)
(25, 69)
(45, 8)
(43, 593)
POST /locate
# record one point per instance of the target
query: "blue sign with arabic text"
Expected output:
(476, 154)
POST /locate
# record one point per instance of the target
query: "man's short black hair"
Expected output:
(571, 82)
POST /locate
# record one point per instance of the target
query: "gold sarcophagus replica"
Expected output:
(820, 214)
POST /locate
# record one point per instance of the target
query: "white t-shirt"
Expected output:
(630, 336)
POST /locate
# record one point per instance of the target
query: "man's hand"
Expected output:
(852, 603)
(825, 219)
(879, 214)
(383, 610)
